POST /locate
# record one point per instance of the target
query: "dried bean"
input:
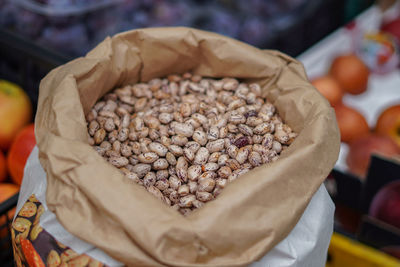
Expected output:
(222, 159)
(99, 136)
(200, 137)
(155, 192)
(204, 196)
(187, 201)
(183, 190)
(165, 118)
(192, 186)
(174, 182)
(229, 84)
(211, 166)
(206, 185)
(200, 118)
(188, 153)
(123, 134)
(224, 172)
(201, 156)
(160, 164)
(236, 118)
(93, 127)
(193, 146)
(267, 141)
(233, 164)
(126, 150)
(182, 168)
(149, 179)
(184, 129)
(158, 148)
(242, 155)
(276, 146)
(241, 141)
(178, 122)
(214, 157)
(206, 175)
(244, 129)
(179, 140)
(213, 133)
(255, 159)
(253, 121)
(232, 151)
(221, 183)
(216, 145)
(132, 176)
(118, 161)
(141, 169)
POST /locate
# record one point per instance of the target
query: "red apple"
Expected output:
(385, 205)
(15, 112)
(360, 151)
(19, 152)
(388, 123)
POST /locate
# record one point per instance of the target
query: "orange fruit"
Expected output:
(351, 73)
(329, 88)
(19, 153)
(352, 124)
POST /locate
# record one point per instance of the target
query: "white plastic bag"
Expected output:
(306, 245)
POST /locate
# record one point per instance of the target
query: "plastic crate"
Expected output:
(345, 252)
(6, 251)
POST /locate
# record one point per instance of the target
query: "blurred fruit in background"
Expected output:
(361, 149)
(351, 73)
(329, 88)
(15, 112)
(352, 124)
(388, 123)
(3, 167)
(19, 153)
(385, 205)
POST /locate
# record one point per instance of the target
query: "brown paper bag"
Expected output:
(95, 202)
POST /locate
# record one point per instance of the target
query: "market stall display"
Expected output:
(368, 160)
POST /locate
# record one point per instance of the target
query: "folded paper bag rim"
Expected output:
(95, 202)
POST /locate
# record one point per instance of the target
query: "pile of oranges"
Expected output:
(349, 75)
(17, 137)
